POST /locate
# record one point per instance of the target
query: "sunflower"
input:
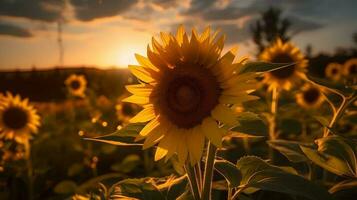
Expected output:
(310, 97)
(76, 85)
(286, 52)
(125, 111)
(186, 89)
(333, 71)
(18, 119)
(350, 69)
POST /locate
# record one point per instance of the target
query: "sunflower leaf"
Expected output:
(229, 171)
(334, 154)
(256, 173)
(337, 87)
(130, 130)
(250, 124)
(290, 149)
(262, 67)
(114, 139)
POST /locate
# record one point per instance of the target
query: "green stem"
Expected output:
(208, 174)
(237, 193)
(192, 181)
(29, 169)
(344, 104)
(272, 120)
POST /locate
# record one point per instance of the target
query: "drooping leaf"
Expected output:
(129, 163)
(262, 67)
(334, 154)
(65, 187)
(229, 171)
(290, 149)
(250, 124)
(130, 130)
(257, 173)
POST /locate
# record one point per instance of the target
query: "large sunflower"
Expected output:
(310, 97)
(18, 119)
(286, 52)
(333, 71)
(186, 89)
(76, 85)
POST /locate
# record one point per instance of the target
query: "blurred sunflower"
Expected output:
(333, 71)
(310, 97)
(18, 119)
(76, 85)
(350, 70)
(125, 111)
(286, 52)
(186, 87)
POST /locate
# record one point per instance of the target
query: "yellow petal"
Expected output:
(142, 73)
(212, 131)
(195, 144)
(147, 114)
(151, 126)
(161, 151)
(224, 114)
(182, 150)
(141, 100)
(145, 62)
(237, 99)
(140, 89)
(155, 136)
(179, 34)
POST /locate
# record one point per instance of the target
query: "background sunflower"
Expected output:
(76, 85)
(18, 119)
(310, 96)
(333, 71)
(280, 52)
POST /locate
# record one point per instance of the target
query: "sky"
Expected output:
(107, 33)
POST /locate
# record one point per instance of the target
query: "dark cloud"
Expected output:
(12, 30)
(143, 13)
(301, 25)
(165, 3)
(198, 6)
(87, 10)
(48, 11)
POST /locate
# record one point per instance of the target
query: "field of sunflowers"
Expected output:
(193, 122)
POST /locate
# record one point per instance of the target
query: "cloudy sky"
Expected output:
(107, 33)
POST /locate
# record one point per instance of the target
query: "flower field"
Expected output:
(191, 119)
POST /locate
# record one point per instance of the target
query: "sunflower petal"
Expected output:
(224, 114)
(150, 127)
(140, 89)
(142, 73)
(195, 145)
(145, 62)
(141, 100)
(147, 114)
(155, 136)
(212, 131)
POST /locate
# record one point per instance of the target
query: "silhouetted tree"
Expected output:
(355, 38)
(269, 27)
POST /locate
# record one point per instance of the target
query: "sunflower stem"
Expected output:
(208, 174)
(272, 120)
(192, 181)
(344, 104)
(27, 146)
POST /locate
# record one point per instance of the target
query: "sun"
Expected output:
(126, 55)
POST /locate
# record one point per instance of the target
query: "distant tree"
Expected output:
(270, 26)
(308, 51)
(355, 38)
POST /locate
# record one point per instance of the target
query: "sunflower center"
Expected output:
(75, 84)
(15, 118)
(311, 95)
(334, 71)
(352, 69)
(187, 95)
(285, 72)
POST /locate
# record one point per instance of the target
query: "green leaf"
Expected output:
(75, 169)
(122, 137)
(250, 124)
(138, 188)
(262, 67)
(334, 154)
(290, 149)
(65, 187)
(129, 163)
(259, 174)
(229, 171)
